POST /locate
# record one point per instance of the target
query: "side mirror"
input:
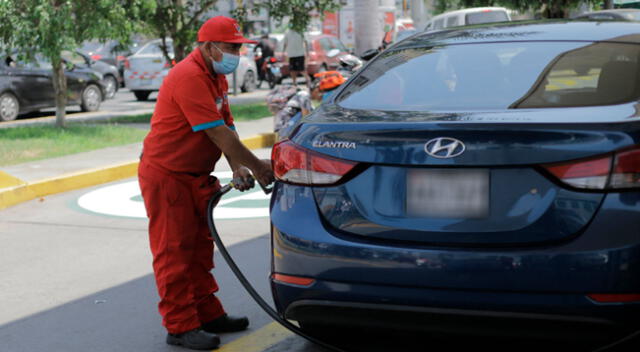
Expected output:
(369, 54)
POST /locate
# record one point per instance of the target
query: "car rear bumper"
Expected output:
(361, 312)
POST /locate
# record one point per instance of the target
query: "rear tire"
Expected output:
(110, 87)
(271, 79)
(9, 107)
(142, 95)
(91, 98)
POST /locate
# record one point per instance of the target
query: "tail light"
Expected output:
(294, 164)
(615, 297)
(96, 57)
(127, 65)
(273, 59)
(620, 170)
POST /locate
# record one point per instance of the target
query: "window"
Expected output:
(73, 58)
(487, 17)
(438, 24)
(325, 43)
(500, 76)
(452, 21)
(336, 43)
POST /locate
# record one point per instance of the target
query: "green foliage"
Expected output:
(29, 143)
(545, 8)
(178, 20)
(49, 27)
(299, 12)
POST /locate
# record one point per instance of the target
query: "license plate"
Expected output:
(145, 82)
(446, 193)
(275, 70)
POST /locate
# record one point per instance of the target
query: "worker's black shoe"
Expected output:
(226, 324)
(196, 339)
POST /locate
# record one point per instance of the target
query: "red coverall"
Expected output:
(174, 176)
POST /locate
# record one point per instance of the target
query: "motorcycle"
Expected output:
(271, 69)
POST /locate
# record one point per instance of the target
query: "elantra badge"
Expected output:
(336, 144)
(444, 147)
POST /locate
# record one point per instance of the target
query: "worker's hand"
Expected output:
(263, 172)
(242, 179)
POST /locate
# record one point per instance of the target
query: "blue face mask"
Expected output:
(228, 64)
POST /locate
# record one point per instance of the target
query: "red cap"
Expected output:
(222, 29)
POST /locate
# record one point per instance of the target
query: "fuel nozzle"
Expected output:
(251, 180)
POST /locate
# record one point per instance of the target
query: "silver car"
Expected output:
(146, 69)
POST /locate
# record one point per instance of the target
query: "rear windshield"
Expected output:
(154, 48)
(487, 16)
(497, 76)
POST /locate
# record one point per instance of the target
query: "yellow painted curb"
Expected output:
(22, 192)
(260, 141)
(7, 180)
(259, 340)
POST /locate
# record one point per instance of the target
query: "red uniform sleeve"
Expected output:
(197, 101)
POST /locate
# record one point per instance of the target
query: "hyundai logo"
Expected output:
(444, 147)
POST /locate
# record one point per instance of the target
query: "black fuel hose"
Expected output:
(243, 280)
(270, 311)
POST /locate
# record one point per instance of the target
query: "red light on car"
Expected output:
(626, 169)
(96, 57)
(620, 170)
(120, 58)
(293, 280)
(615, 297)
(273, 59)
(590, 173)
(127, 65)
(294, 164)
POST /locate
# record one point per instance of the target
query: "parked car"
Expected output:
(146, 69)
(405, 34)
(110, 75)
(469, 181)
(476, 15)
(111, 52)
(319, 47)
(27, 86)
(611, 15)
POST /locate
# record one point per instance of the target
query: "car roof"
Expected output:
(564, 30)
(469, 10)
(612, 11)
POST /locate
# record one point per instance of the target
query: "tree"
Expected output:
(299, 12)
(178, 20)
(547, 8)
(49, 27)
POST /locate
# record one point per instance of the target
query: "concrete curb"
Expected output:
(27, 191)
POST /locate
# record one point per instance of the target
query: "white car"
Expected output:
(146, 69)
(476, 15)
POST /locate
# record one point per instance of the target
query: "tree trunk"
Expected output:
(368, 30)
(60, 89)
(608, 4)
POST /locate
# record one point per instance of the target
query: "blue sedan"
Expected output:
(484, 179)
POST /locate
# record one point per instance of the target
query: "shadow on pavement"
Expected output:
(125, 317)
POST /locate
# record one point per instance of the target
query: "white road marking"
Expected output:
(120, 200)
